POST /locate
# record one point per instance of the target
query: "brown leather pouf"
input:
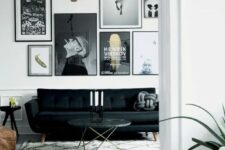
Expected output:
(7, 139)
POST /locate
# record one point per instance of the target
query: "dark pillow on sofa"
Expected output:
(146, 101)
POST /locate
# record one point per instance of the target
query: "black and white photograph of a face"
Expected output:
(33, 17)
(151, 8)
(120, 13)
(115, 53)
(75, 44)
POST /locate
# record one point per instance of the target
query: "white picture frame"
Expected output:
(145, 53)
(120, 14)
(39, 60)
(31, 24)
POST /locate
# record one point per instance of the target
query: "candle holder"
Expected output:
(96, 113)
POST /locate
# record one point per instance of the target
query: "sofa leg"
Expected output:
(43, 137)
(154, 136)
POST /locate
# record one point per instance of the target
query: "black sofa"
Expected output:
(53, 108)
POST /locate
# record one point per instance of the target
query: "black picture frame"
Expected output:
(147, 55)
(119, 22)
(39, 63)
(71, 26)
(123, 66)
(33, 26)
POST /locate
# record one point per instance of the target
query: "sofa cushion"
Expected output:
(122, 99)
(67, 100)
(60, 118)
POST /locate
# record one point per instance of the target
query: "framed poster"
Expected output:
(145, 53)
(120, 13)
(75, 44)
(151, 8)
(114, 53)
(39, 60)
(33, 20)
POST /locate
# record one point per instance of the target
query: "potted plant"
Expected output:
(220, 137)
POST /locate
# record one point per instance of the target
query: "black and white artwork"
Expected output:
(75, 44)
(120, 13)
(151, 8)
(33, 20)
(114, 53)
(33, 17)
(145, 53)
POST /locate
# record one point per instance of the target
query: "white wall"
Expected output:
(13, 57)
(203, 73)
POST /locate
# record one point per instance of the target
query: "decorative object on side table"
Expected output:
(33, 20)
(39, 60)
(12, 102)
(9, 111)
(120, 13)
(219, 143)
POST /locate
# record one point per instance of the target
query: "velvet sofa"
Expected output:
(53, 108)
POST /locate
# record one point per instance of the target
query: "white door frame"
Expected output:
(170, 75)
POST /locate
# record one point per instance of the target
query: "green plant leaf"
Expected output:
(221, 131)
(194, 146)
(216, 145)
(223, 114)
(206, 144)
(221, 140)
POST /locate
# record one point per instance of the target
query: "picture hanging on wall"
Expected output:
(33, 20)
(151, 8)
(120, 13)
(75, 44)
(145, 53)
(114, 53)
(39, 60)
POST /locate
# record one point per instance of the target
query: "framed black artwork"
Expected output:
(39, 60)
(33, 20)
(114, 53)
(75, 44)
(145, 53)
(120, 14)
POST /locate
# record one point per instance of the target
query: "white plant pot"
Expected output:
(222, 148)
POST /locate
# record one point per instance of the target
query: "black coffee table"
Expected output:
(109, 124)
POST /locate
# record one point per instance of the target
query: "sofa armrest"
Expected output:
(32, 109)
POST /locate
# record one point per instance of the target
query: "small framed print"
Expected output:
(145, 53)
(120, 14)
(33, 20)
(39, 60)
(151, 8)
(115, 53)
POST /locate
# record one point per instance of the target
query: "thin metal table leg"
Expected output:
(82, 138)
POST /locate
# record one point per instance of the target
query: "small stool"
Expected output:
(9, 111)
(7, 139)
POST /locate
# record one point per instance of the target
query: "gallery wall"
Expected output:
(14, 79)
(13, 55)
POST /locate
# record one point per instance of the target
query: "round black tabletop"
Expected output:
(9, 108)
(105, 123)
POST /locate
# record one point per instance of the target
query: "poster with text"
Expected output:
(115, 53)
(145, 53)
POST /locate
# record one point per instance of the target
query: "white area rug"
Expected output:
(124, 145)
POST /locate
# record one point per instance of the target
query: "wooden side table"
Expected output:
(9, 111)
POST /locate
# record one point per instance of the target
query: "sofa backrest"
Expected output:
(65, 100)
(122, 99)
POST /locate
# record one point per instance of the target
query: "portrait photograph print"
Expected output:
(39, 60)
(33, 20)
(120, 13)
(151, 8)
(145, 53)
(114, 53)
(75, 44)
